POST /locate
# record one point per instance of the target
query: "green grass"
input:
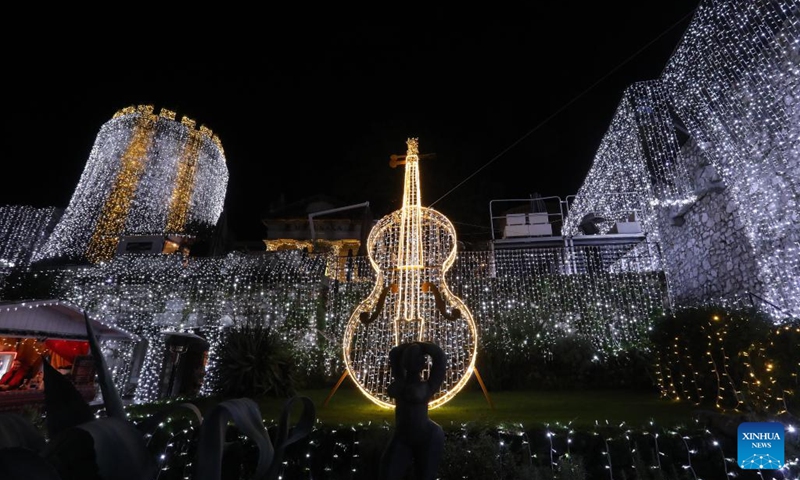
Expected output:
(635, 408)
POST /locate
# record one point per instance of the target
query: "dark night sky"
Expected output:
(511, 102)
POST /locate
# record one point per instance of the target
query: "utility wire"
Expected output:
(564, 107)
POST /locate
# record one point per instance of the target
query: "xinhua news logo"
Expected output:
(760, 445)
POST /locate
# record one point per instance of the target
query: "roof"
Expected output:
(300, 209)
(53, 319)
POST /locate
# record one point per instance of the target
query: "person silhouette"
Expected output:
(417, 440)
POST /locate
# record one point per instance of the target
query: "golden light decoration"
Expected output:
(147, 174)
(182, 195)
(115, 211)
(411, 249)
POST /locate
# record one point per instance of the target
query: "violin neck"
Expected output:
(410, 249)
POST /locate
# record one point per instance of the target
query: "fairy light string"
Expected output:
(147, 174)
(24, 230)
(733, 83)
(639, 168)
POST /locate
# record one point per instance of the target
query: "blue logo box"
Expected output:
(760, 445)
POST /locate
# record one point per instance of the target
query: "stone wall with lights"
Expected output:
(706, 251)
(733, 86)
(734, 82)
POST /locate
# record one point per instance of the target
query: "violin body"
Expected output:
(411, 250)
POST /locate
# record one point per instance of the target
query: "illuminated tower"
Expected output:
(147, 174)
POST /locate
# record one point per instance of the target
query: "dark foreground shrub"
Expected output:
(254, 361)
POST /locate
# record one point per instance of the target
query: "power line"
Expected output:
(564, 107)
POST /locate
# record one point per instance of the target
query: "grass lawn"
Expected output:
(635, 408)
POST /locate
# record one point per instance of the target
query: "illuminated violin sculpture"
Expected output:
(411, 249)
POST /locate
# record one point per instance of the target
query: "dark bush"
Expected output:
(568, 363)
(255, 361)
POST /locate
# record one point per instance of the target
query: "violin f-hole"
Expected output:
(437, 298)
(365, 317)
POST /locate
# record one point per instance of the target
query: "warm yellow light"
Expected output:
(182, 194)
(411, 249)
(115, 211)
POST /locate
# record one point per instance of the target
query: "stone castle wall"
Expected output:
(706, 251)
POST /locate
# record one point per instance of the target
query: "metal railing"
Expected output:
(553, 206)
